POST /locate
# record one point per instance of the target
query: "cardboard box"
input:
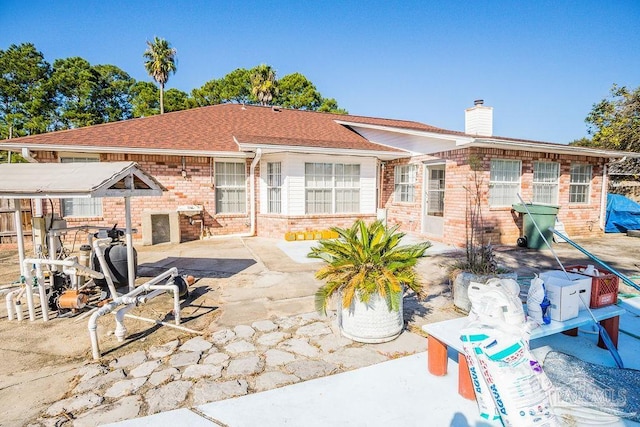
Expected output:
(564, 293)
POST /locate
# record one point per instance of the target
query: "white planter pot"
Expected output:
(371, 322)
(461, 286)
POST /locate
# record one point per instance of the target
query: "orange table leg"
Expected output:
(571, 332)
(465, 386)
(436, 356)
(610, 325)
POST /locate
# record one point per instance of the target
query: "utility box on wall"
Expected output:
(160, 227)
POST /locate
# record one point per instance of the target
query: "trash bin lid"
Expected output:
(536, 209)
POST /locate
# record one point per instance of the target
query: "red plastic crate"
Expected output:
(604, 288)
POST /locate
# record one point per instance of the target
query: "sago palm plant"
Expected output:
(364, 261)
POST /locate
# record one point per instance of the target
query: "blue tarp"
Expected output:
(622, 214)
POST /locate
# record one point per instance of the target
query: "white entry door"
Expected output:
(433, 200)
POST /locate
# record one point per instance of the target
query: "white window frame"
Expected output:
(274, 187)
(580, 183)
(546, 182)
(405, 178)
(503, 189)
(347, 187)
(80, 207)
(332, 188)
(231, 184)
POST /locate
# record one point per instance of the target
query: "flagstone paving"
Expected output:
(227, 363)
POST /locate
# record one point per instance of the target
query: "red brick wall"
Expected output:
(276, 226)
(195, 189)
(502, 225)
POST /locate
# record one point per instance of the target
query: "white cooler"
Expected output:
(564, 293)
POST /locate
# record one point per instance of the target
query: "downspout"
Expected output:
(27, 155)
(252, 190)
(252, 195)
(603, 197)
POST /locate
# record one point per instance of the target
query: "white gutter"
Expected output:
(274, 148)
(603, 197)
(546, 147)
(134, 150)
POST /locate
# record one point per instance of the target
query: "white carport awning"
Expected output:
(63, 180)
(66, 180)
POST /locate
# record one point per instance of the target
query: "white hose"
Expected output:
(160, 322)
(103, 265)
(42, 289)
(9, 301)
(30, 307)
(121, 330)
(127, 299)
(176, 299)
(19, 313)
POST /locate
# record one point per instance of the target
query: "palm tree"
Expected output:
(160, 62)
(365, 261)
(263, 84)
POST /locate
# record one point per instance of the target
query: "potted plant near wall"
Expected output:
(479, 264)
(368, 270)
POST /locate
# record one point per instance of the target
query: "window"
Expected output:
(332, 188)
(230, 188)
(579, 187)
(274, 187)
(78, 206)
(504, 182)
(347, 188)
(545, 182)
(435, 192)
(405, 183)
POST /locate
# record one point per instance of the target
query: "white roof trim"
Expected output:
(546, 147)
(149, 151)
(61, 180)
(266, 148)
(459, 139)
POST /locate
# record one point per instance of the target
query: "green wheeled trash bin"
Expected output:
(544, 216)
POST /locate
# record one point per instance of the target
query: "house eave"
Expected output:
(459, 139)
(270, 149)
(547, 148)
(119, 150)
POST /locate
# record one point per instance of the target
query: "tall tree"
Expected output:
(78, 85)
(144, 99)
(330, 105)
(235, 87)
(160, 62)
(207, 94)
(26, 97)
(614, 122)
(264, 86)
(296, 91)
(177, 100)
(115, 93)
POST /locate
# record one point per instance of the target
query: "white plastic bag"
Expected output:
(520, 389)
(537, 302)
(496, 303)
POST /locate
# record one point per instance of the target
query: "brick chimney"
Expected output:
(478, 120)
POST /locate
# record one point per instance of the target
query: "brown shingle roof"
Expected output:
(213, 128)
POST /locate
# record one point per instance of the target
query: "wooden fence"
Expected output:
(7, 219)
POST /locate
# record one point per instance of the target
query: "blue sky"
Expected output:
(540, 64)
